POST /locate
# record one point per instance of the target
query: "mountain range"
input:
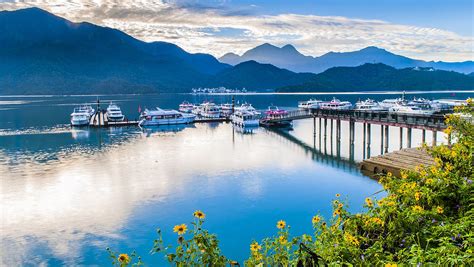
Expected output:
(377, 77)
(288, 57)
(41, 53)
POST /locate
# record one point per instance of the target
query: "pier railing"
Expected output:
(433, 122)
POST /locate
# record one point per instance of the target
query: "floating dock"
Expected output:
(394, 162)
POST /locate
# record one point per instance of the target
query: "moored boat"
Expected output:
(336, 104)
(186, 107)
(247, 108)
(368, 105)
(160, 116)
(210, 110)
(411, 109)
(80, 117)
(310, 104)
(226, 109)
(114, 113)
(245, 118)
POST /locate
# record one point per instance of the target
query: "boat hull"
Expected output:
(157, 122)
(81, 122)
(115, 118)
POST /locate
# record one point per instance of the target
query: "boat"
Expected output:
(210, 110)
(368, 105)
(80, 117)
(273, 112)
(248, 108)
(245, 118)
(226, 109)
(388, 103)
(160, 116)
(310, 104)
(336, 104)
(186, 107)
(411, 109)
(197, 109)
(114, 113)
(86, 109)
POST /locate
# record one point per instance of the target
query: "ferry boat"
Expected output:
(114, 113)
(368, 105)
(411, 109)
(226, 109)
(86, 109)
(80, 117)
(273, 112)
(186, 107)
(160, 116)
(210, 110)
(245, 119)
(197, 109)
(336, 104)
(312, 103)
(248, 108)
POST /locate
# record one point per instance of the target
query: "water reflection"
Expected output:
(67, 211)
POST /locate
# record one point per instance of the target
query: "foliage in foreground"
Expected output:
(425, 218)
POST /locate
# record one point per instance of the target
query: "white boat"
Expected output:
(226, 109)
(336, 104)
(410, 109)
(245, 118)
(368, 105)
(114, 113)
(197, 109)
(86, 109)
(160, 116)
(247, 108)
(210, 110)
(310, 104)
(80, 117)
(186, 107)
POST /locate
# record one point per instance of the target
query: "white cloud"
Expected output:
(187, 24)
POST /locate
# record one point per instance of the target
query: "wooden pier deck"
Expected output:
(394, 162)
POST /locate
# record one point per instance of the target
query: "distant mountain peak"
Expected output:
(289, 47)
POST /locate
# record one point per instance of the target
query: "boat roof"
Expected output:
(159, 111)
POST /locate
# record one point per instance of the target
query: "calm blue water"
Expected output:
(67, 194)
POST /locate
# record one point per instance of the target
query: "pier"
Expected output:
(433, 122)
(405, 159)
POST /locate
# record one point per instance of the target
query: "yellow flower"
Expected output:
(429, 181)
(282, 239)
(199, 214)
(124, 258)
(316, 219)
(448, 130)
(180, 229)
(391, 203)
(439, 209)
(351, 239)
(255, 247)
(281, 224)
(338, 195)
(404, 175)
(469, 101)
(369, 202)
(417, 208)
(391, 265)
(340, 205)
(374, 220)
(336, 212)
(417, 196)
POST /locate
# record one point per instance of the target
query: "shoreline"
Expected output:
(263, 93)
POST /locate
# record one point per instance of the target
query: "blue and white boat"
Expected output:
(160, 116)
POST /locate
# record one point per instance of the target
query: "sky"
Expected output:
(421, 29)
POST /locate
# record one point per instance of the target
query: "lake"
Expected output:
(67, 194)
